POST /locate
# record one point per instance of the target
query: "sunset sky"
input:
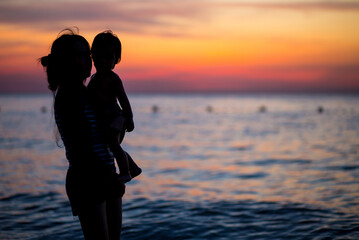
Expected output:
(194, 45)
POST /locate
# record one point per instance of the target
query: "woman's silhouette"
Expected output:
(92, 184)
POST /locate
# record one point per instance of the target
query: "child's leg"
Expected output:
(121, 157)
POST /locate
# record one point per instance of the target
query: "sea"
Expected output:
(215, 166)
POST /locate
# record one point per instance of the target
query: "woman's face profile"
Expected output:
(83, 59)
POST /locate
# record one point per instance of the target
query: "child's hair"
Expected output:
(107, 38)
(59, 64)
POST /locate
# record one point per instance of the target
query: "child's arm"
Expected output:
(125, 104)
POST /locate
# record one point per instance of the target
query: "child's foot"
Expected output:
(135, 171)
(124, 178)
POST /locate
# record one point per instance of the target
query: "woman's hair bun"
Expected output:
(45, 60)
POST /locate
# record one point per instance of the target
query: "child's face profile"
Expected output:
(104, 58)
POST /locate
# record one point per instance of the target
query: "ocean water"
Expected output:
(214, 167)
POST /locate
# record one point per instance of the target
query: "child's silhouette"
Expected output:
(106, 91)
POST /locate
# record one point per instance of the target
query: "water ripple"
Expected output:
(267, 162)
(45, 216)
(239, 220)
(234, 173)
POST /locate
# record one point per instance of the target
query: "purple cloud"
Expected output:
(127, 13)
(132, 15)
(296, 5)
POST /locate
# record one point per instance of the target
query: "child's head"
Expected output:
(106, 51)
(69, 60)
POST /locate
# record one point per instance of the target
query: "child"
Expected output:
(105, 89)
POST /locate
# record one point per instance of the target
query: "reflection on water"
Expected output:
(230, 172)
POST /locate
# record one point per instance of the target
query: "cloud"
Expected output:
(336, 78)
(290, 78)
(23, 83)
(129, 14)
(297, 5)
(138, 15)
(346, 76)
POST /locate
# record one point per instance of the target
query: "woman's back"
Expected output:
(78, 128)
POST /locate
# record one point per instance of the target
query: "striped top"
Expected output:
(80, 133)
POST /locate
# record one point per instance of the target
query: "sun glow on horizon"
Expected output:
(206, 45)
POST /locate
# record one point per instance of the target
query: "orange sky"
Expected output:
(188, 45)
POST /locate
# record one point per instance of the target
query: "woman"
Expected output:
(92, 184)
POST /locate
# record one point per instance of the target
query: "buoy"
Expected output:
(155, 109)
(209, 109)
(320, 109)
(262, 109)
(43, 109)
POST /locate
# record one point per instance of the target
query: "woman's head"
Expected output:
(69, 60)
(106, 50)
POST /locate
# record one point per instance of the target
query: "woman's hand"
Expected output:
(118, 123)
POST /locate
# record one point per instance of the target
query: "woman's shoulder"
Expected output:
(69, 98)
